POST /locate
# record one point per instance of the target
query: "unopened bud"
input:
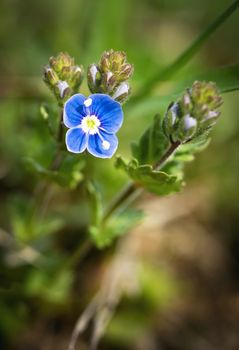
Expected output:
(63, 76)
(63, 59)
(112, 60)
(210, 119)
(126, 72)
(186, 128)
(77, 75)
(171, 117)
(63, 88)
(194, 113)
(205, 97)
(108, 82)
(108, 75)
(50, 76)
(122, 92)
(94, 78)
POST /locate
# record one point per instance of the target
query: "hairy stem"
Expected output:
(132, 191)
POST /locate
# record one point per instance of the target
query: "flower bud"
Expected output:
(62, 76)
(171, 117)
(50, 77)
(60, 61)
(210, 119)
(108, 75)
(194, 114)
(112, 61)
(186, 103)
(122, 92)
(63, 89)
(108, 82)
(76, 77)
(186, 128)
(94, 78)
(206, 95)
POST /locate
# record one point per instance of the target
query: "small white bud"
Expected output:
(62, 86)
(187, 99)
(121, 90)
(189, 122)
(93, 72)
(212, 114)
(108, 76)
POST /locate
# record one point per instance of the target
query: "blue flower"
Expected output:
(92, 123)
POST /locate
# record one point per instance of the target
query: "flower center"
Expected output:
(90, 124)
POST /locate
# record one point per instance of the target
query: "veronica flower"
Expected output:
(93, 123)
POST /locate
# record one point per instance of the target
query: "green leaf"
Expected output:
(49, 114)
(154, 181)
(52, 287)
(115, 226)
(26, 226)
(69, 174)
(152, 143)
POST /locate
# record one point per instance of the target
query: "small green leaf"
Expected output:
(26, 226)
(52, 287)
(49, 115)
(152, 143)
(152, 180)
(115, 226)
(69, 174)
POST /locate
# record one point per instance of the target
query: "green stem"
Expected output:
(79, 254)
(132, 191)
(122, 196)
(42, 192)
(229, 89)
(186, 56)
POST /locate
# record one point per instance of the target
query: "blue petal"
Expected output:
(95, 145)
(74, 110)
(76, 140)
(108, 111)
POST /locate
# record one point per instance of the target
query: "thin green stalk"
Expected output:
(186, 56)
(132, 191)
(230, 89)
(42, 191)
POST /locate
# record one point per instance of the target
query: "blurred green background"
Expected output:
(186, 293)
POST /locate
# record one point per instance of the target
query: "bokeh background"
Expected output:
(178, 270)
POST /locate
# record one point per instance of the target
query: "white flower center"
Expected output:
(88, 102)
(90, 124)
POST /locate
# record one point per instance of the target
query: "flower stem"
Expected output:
(42, 191)
(60, 128)
(122, 196)
(174, 145)
(132, 190)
